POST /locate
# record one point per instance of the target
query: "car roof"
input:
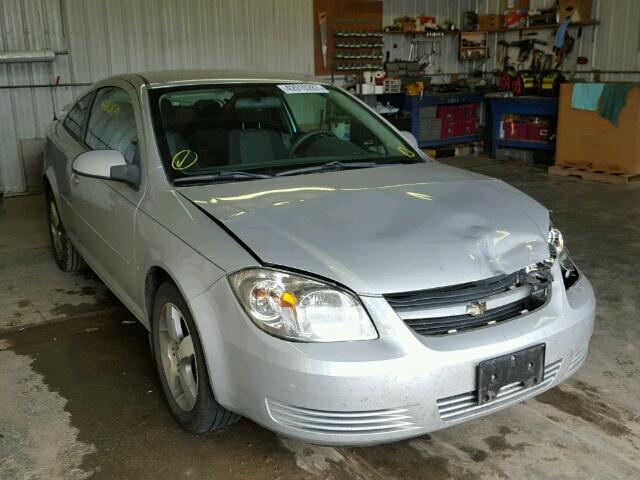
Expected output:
(166, 78)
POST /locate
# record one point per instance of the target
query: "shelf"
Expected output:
(554, 26)
(530, 144)
(428, 33)
(376, 46)
(356, 68)
(441, 33)
(337, 57)
(363, 35)
(450, 140)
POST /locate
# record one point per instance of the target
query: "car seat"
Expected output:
(175, 140)
(258, 140)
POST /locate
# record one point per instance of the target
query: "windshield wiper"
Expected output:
(329, 167)
(220, 177)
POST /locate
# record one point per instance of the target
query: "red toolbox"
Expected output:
(470, 126)
(538, 130)
(470, 110)
(449, 113)
(515, 129)
(451, 129)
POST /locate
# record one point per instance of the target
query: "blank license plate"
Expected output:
(525, 366)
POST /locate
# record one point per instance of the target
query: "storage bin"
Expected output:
(538, 131)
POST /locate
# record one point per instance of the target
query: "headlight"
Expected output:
(569, 270)
(556, 241)
(300, 308)
(559, 252)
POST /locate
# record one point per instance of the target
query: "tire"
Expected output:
(65, 254)
(181, 365)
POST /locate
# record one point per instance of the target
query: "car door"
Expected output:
(106, 208)
(68, 144)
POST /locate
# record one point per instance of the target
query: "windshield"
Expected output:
(268, 129)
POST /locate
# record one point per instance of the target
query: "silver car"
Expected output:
(299, 261)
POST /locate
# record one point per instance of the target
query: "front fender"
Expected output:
(156, 246)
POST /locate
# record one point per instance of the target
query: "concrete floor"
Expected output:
(79, 398)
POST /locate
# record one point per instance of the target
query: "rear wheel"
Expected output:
(181, 365)
(65, 254)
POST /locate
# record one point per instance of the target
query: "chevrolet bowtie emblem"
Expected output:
(476, 308)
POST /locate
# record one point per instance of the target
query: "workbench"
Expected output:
(525, 105)
(413, 104)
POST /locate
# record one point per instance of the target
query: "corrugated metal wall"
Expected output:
(617, 39)
(106, 37)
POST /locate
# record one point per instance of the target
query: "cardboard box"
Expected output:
(490, 23)
(587, 140)
(578, 10)
(514, 5)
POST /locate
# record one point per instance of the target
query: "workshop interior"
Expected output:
(400, 238)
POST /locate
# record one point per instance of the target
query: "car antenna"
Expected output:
(53, 94)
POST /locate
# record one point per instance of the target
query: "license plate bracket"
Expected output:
(526, 366)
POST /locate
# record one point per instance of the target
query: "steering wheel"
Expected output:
(306, 137)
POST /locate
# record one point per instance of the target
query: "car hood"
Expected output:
(385, 229)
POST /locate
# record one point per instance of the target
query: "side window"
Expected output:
(74, 120)
(112, 124)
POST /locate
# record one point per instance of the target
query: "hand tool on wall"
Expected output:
(322, 23)
(525, 46)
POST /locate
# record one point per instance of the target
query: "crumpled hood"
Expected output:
(386, 229)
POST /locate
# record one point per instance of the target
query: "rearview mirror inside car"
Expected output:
(106, 165)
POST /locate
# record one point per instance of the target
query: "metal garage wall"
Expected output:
(618, 38)
(106, 37)
(443, 10)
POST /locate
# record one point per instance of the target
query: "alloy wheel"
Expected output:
(178, 357)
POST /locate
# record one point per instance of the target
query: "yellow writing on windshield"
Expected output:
(406, 152)
(184, 159)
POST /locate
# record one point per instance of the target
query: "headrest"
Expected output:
(253, 103)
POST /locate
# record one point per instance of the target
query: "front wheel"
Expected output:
(181, 365)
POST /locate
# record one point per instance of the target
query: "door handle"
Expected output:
(74, 179)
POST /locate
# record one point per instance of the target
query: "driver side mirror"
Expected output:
(408, 136)
(106, 165)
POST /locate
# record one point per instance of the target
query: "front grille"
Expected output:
(455, 294)
(339, 422)
(443, 311)
(465, 405)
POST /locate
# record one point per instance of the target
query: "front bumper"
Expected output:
(399, 386)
